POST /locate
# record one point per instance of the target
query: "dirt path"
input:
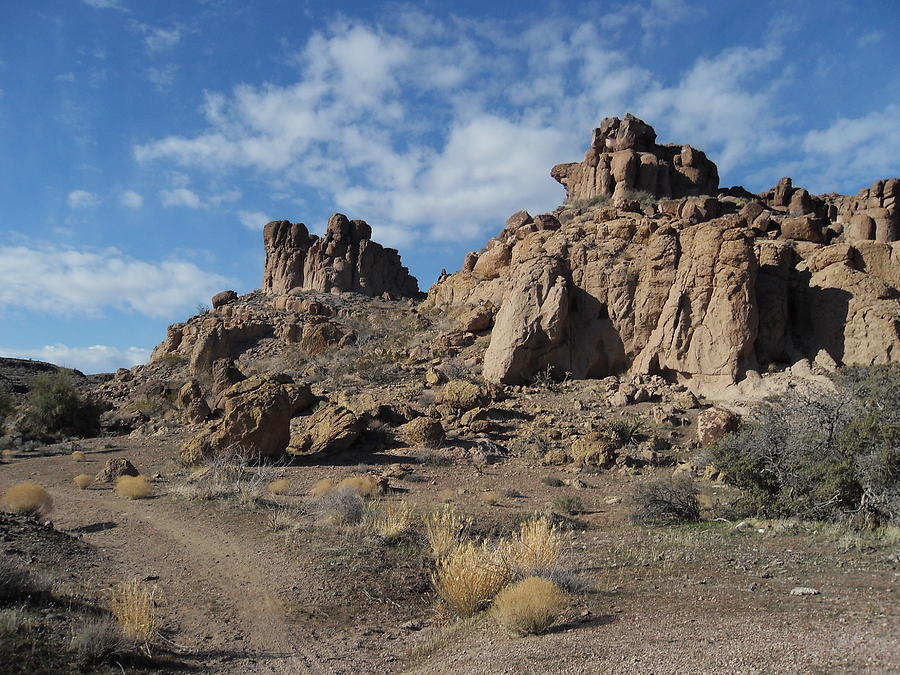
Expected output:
(220, 584)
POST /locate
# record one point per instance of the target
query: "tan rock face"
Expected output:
(624, 157)
(331, 428)
(257, 418)
(713, 423)
(345, 259)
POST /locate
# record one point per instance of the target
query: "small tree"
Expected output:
(55, 409)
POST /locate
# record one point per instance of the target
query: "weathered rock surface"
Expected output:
(345, 259)
(115, 467)
(423, 431)
(257, 418)
(624, 157)
(330, 429)
(700, 290)
(715, 422)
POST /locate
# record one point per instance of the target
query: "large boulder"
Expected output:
(345, 259)
(257, 418)
(330, 429)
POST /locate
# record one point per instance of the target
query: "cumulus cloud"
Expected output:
(253, 220)
(82, 199)
(181, 197)
(131, 199)
(158, 39)
(162, 78)
(91, 359)
(68, 281)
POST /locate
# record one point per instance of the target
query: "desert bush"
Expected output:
(821, 453)
(133, 487)
(135, 610)
(342, 505)
(82, 481)
(365, 486)
(321, 487)
(19, 584)
(623, 431)
(468, 577)
(552, 481)
(279, 486)
(666, 500)
(392, 520)
(552, 379)
(79, 456)
(535, 545)
(443, 530)
(97, 639)
(529, 606)
(434, 459)
(232, 475)
(569, 505)
(27, 498)
(172, 360)
(56, 410)
(7, 404)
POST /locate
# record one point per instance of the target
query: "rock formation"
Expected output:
(699, 289)
(345, 259)
(624, 157)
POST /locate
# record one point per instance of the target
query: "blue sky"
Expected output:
(144, 144)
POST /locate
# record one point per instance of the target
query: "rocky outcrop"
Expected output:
(330, 429)
(700, 289)
(345, 259)
(624, 157)
(257, 419)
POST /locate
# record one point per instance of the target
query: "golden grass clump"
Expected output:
(279, 486)
(393, 519)
(529, 606)
(321, 487)
(79, 456)
(365, 486)
(536, 545)
(468, 577)
(133, 487)
(27, 497)
(443, 530)
(82, 480)
(491, 497)
(135, 610)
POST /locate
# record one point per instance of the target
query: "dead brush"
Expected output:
(27, 498)
(444, 529)
(82, 481)
(133, 487)
(232, 475)
(79, 456)
(279, 486)
(529, 606)
(135, 610)
(392, 520)
(99, 638)
(468, 577)
(535, 546)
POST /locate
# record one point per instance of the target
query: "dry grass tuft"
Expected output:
(82, 480)
(491, 497)
(443, 530)
(79, 456)
(365, 486)
(98, 638)
(529, 606)
(537, 545)
(279, 487)
(133, 487)
(321, 487)
(468, 577)
(393, 520)
(27, 497)
(135, 610)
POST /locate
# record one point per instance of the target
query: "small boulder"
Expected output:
(115, 467)
(715, 422)
(423, 431)
(462, 395)
(330, 429)
(223, 298)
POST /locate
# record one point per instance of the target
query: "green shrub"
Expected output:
(822, 453)
(569, 505)
(56, 410)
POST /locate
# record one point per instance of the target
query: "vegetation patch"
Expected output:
(27, 498)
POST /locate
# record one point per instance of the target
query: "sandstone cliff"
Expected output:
(700, 289)
(345, 259)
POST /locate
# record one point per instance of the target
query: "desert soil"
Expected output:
(237, 597)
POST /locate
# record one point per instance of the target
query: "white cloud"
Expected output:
(92, 359)
(103, 4)
(68, 281)
(131, 199)
(158, 39)
(82, 199)
(253, 220)
(162, 78)
(181, 197)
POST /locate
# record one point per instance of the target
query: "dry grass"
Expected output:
(321, 487)
(27, 498)
(491, 497)
(468, 577)
(392, 520)
(79, 456)
(443, 530)
(365, 486)
(232, 475)
(98, 638)
(529, 606)
(133, 487)
(536, 545)
(135, 610)
(82, 480)
(279, 487)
